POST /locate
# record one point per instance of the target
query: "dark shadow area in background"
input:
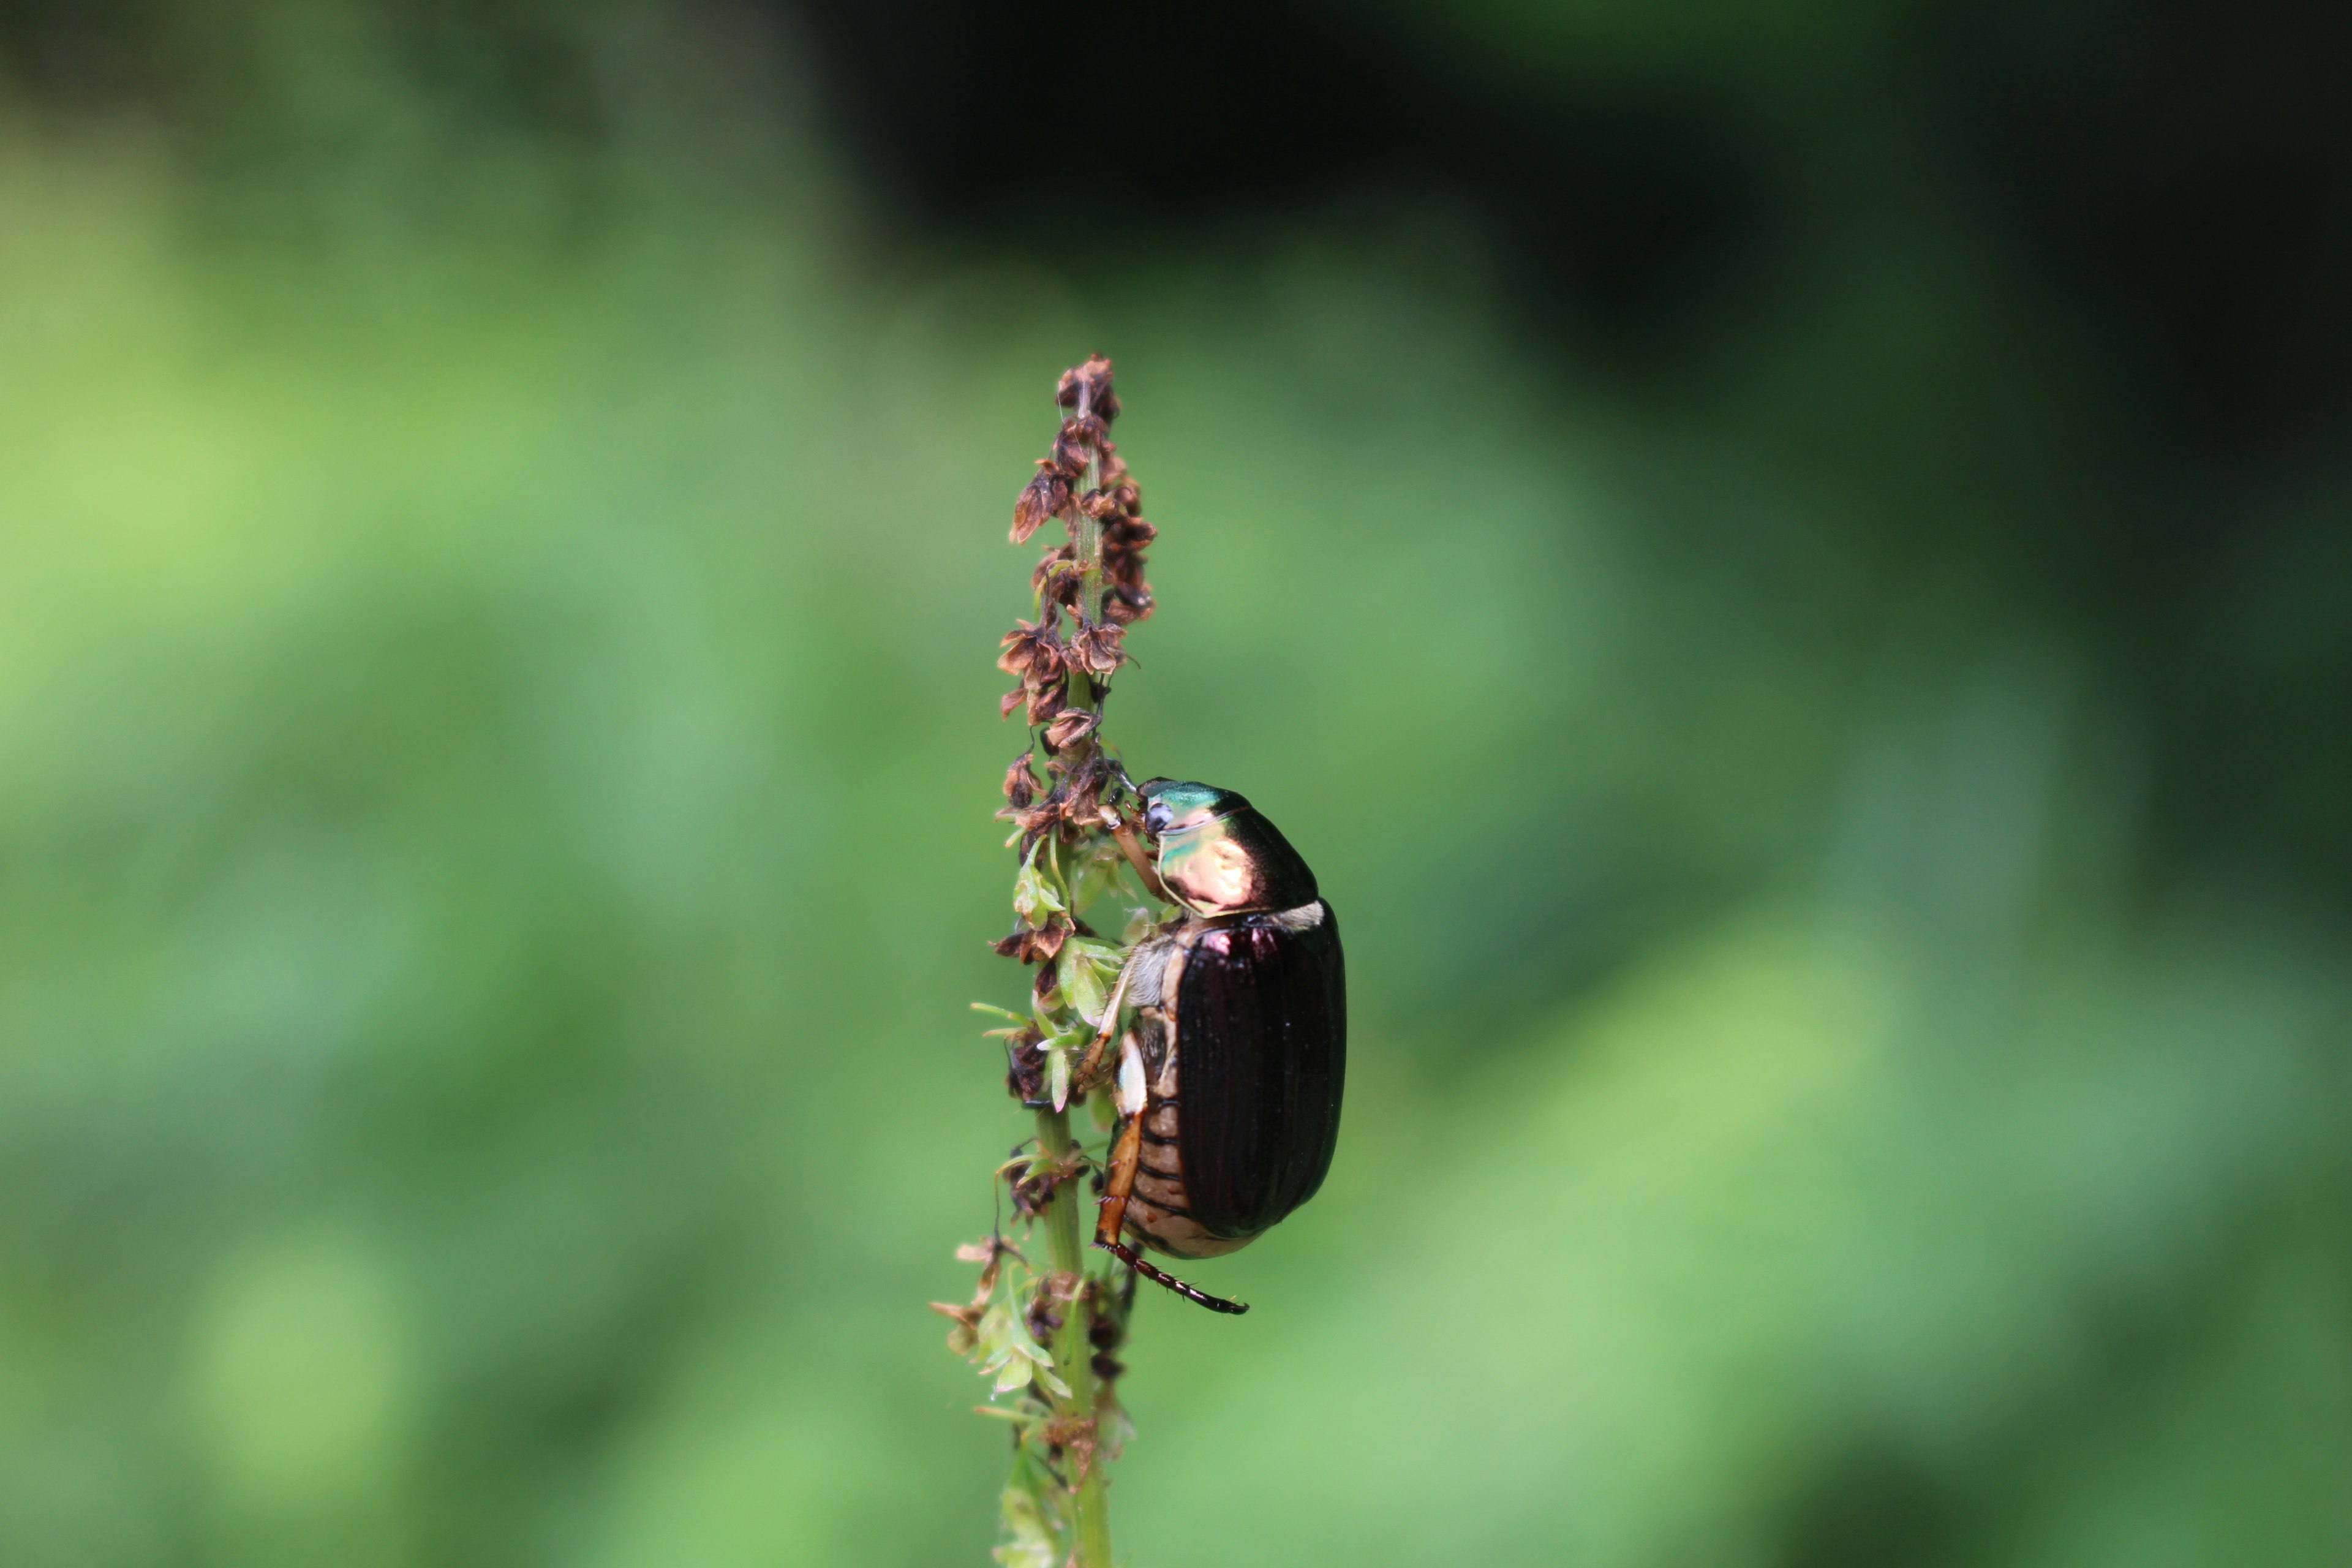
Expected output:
(1629, 216)
(2183, 168)
(2175, 179)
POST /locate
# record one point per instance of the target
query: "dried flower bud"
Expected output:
(1089, 383)
(1035, 944)
(1020, 784)
(1081, 806)
(1126, 603)
(1045, 701)
(1031, 650)
(1060, 582)
(1036, 821)
(1075, 448)
(1072, 725)
(986, 1252)
(1052, 561)
(1046, 496)
(1098, 506)
(1031, 1193)
(1097, 651)
(1025, 1069)
(1082, 792)
(1012, 699)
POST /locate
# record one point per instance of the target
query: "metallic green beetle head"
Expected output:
(1218, 856)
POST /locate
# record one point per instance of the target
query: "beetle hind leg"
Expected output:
(1128, 1255)
(1126, 1153)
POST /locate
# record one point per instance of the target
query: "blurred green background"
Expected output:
(1788, 565)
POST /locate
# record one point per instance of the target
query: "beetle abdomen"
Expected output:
(1259, 1004)
(1158, 1208)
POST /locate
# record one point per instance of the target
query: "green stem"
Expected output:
(1072, 1345)
(1073, 1348)
(1090, 594)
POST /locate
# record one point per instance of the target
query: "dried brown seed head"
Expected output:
(1031, 650)
(1089, 383)
(1045, 701)
(1048, 495)
(1031, 1194)
(1071, 726)
(1049, 564)
(1020, 784)
(1034, 944)
(1082, 792)
(1036, 820)
(1025, 1072)
(1060, 582)
(1097, 651)
(1075, 448)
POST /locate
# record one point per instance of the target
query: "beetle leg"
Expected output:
(1127, 1254)
(1125, 1155)
(1124, 831)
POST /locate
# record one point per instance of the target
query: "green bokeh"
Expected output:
(495, 853)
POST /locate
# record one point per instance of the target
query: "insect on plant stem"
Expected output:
(1229, 1080)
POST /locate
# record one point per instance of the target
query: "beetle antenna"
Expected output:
(1126, 1254)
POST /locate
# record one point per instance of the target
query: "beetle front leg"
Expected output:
(1082, 1075)
(1123, 831)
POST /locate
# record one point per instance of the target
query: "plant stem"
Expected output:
(1073, 1347)
(1064, 844)
(1073, 1354)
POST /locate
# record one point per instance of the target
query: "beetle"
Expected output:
(1229, 1080)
